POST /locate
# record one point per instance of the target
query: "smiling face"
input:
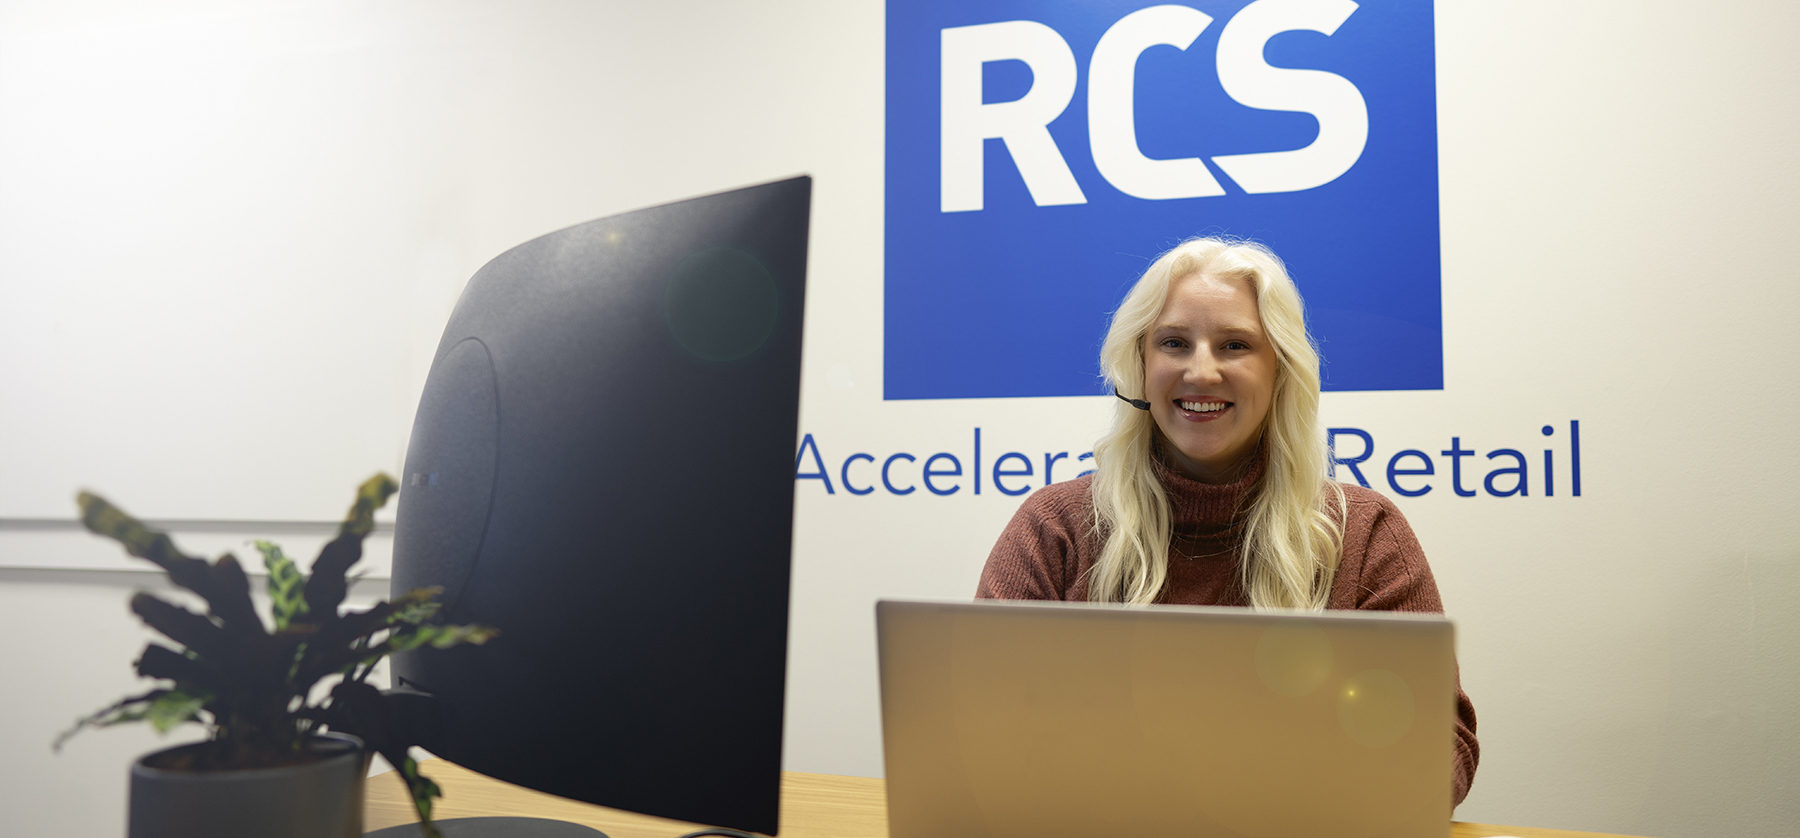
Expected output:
(1209, 375)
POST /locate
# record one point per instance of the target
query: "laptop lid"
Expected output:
(1044, 720)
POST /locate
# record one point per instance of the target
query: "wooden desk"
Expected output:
(812, 806)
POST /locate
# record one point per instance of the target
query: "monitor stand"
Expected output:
(494, 828)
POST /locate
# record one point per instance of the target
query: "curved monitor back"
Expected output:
(602, 468)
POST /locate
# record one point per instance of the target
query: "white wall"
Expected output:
(229, 233)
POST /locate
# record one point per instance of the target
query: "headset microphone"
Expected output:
(1137, 403)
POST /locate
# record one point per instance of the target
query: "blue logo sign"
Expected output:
(1039, 155)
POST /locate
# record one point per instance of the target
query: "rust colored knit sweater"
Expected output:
(1046, 550)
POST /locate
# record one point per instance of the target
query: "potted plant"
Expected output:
(284, 755)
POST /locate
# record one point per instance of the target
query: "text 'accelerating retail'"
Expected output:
(1542, 462)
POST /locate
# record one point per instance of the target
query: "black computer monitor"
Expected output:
(602, 467)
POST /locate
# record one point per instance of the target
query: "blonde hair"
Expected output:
(1291, 540)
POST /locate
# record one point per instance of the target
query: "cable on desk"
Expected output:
(728, 833)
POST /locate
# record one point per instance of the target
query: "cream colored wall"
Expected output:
(1617, 201)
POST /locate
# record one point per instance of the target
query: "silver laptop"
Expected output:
(1056, 720)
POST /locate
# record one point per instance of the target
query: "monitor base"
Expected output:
(494, 828)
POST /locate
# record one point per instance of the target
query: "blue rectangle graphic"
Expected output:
(1040, 155)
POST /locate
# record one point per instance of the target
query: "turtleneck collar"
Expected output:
(1206, 510)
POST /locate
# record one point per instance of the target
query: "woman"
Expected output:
(1210, 489)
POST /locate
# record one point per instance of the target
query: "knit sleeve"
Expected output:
(1038, 554)
(1384, 569)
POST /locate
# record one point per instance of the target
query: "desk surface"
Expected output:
(812, 806)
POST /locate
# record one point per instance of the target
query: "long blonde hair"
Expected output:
(1292, 539)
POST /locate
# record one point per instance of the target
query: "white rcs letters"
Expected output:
(1023, 124)
(1338, 105)
(1112, 121)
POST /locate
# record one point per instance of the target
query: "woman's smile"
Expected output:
(1202, 409)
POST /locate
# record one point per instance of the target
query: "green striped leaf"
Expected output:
(440, 637)
(287, 588)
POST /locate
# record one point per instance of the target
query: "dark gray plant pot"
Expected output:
(322, 799)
